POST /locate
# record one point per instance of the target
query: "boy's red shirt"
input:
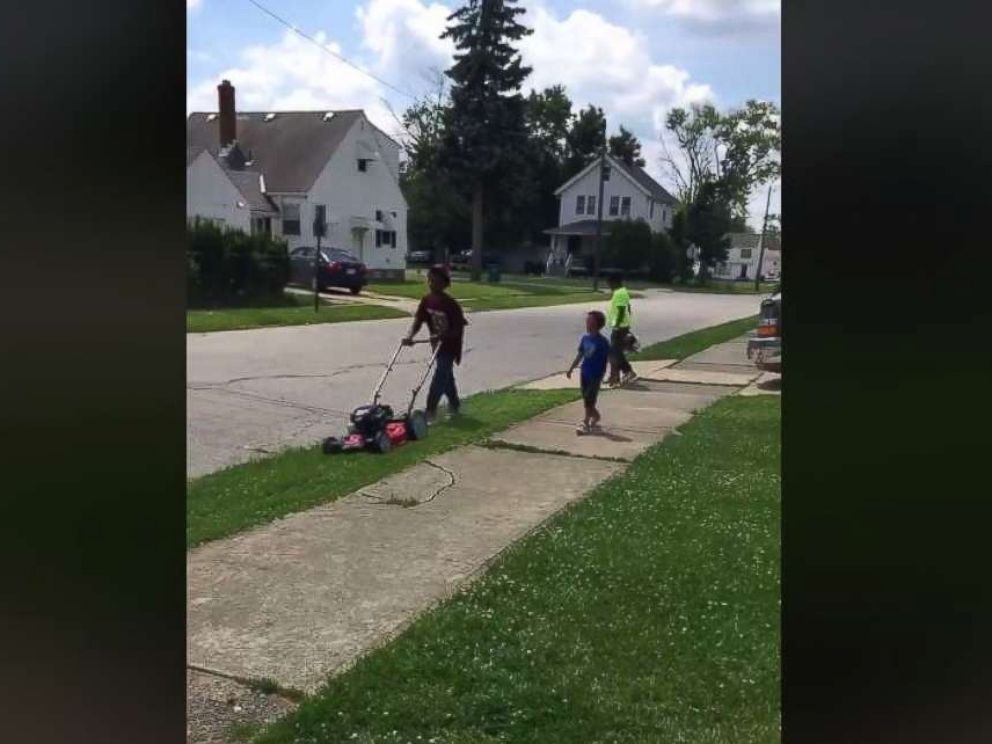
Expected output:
(445, 319)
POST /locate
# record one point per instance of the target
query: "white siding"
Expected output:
(619, 185)
(731, 268)
(210, 194)
(349, 193)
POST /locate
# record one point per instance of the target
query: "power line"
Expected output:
(348, 62)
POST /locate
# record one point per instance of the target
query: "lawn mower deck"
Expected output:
(375, 427)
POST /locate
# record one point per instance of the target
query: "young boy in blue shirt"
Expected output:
(594, 352)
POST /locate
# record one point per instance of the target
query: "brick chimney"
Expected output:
(228, 120)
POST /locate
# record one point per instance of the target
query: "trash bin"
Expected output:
(493, 272)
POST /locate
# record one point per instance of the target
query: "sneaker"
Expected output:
(582, 429)
(629, 377)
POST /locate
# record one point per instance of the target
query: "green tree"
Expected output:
(662, 262)
(708, 222)
(549, 118)
(751, 139)
(439, 218)
(586, 138)
(679, 238)
(693, 159)
(626, 147)
(628, 246)
(485, 134)
(741, 149)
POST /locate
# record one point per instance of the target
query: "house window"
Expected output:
(651, 215)
(290, 219)
(591, 205)
(319, 218)
(625, 207)
(745, 253)
(385, 237)
(363, 165)
(614, 206)
(580, 204)
(378, 215)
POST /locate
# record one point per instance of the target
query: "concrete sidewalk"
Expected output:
(304, 597)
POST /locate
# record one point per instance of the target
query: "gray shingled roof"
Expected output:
(581, 227)
(291, 149)
(248, 184)
(640, 175)
(750, 240)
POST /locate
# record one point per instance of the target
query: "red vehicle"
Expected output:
(335, 268)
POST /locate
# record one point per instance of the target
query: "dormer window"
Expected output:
(363, 165)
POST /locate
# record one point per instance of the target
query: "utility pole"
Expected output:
(318, 231)
(599, 220)
(761, 241)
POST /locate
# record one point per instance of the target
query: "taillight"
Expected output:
(768, 327)
(333, 266)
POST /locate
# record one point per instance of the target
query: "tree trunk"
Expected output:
(477, 204)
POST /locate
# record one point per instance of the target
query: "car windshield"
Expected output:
(336, 254)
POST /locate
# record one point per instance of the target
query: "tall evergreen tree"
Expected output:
(626, 147)
(585, 139)
(485, 138)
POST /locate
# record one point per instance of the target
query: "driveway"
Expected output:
(251, 393)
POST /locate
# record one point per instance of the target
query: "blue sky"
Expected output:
(635, 58)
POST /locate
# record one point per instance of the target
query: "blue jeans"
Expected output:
(443, 384)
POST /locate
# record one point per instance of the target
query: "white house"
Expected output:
(275, 172)
(743, 255)
(628, 193)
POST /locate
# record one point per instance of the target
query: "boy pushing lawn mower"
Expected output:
(621, 338)
(446, 321)
(593, 352)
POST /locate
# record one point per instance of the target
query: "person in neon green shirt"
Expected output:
(619, 318)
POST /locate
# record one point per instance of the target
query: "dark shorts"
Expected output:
(590, 390)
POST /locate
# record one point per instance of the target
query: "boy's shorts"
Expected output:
(590, 390)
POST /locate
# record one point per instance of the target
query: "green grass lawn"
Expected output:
(231, 500)
(297, 309)
(647, 613)
(691, 343)
(480, 296)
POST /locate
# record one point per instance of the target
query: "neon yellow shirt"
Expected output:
(619, 313)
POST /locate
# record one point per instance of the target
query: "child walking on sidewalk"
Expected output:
(594, 351)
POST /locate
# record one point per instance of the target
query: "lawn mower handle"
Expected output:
(392, 362)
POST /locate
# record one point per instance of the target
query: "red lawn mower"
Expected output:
(375, 427)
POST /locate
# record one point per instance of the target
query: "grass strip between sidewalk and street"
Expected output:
(254, 493)
(482, 296)
(647, 612)
(299, 312)
(693, 342)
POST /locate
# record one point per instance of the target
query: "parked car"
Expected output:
(420, 257)
(765, 347)
(336, 268)
(461, 260)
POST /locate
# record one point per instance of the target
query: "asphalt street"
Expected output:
(256, 392)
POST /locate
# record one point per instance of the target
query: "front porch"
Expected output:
(572, 245)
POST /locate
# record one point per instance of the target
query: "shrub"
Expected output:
(662, 265)
(629, 246)
(226, 266)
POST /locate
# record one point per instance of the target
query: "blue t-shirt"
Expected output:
(595, 350)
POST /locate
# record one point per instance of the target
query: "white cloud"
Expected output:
(612, 67)
(598, 61)
(720, 16)
(295, 74)
(404, 38)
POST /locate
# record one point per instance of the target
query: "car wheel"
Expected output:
(355, 290)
